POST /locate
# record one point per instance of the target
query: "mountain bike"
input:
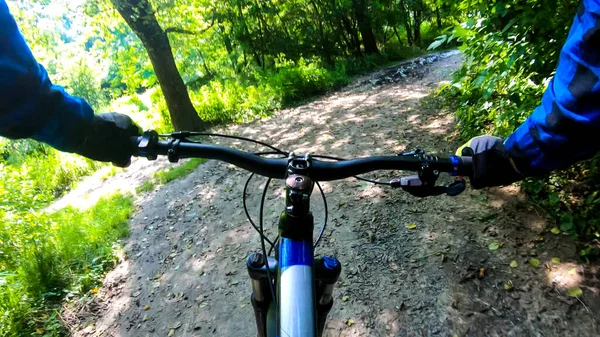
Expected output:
(292, 291)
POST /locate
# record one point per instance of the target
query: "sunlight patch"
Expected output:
(563, 275)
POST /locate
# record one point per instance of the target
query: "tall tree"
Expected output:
(139, 15)
(364, 25)
(417, 20)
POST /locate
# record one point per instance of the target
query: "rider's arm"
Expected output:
(30, 105)
(563, 129)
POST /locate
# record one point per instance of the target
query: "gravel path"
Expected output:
(184, 272)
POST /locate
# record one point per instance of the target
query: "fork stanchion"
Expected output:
(327, 271)
(261, 295)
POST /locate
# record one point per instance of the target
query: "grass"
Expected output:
(163, 177)
(170, 174)
(109, 173)
(145, 187)
(47, 259)
(56, 257)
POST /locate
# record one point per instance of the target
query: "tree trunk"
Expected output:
(397, 35)
(353, 35)
(228, 47)
(409, 37)
(417, 16)
(325, 45)
(347, 42)
(417, 27)
(404, 9)
(364, 25)
(140, 17)
(438, 18)
(248, 38)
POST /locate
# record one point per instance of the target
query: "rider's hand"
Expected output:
(491, 164)
(107, 138)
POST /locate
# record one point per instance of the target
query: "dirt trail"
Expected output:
(184, 274)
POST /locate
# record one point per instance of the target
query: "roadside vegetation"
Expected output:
(164, 176)
(511, 49)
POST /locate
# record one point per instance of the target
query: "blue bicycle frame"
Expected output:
(304, 285)
(296, 289)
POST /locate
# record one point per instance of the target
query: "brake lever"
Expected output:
(457, 187)
(414, 186)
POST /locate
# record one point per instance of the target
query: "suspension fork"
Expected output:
(261, 293)
(296, 250)
(327, 271)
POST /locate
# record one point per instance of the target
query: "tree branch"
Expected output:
(190, 32)
(179, 30)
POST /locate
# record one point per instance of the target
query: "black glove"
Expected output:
(491, 164)
(108, 138)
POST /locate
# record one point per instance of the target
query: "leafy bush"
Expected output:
(572, 198)
(33, 181)
(83, 81)
(164, 124)
(53, 256)
(135, 100)
(398, 52)
(242, 100)
(511, 52)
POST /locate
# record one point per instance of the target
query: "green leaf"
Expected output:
(553, 198)
(555, 260)
(534, 262)
(411, 226)
(575, 292)
(566, 222)
(509, 24)
(514, 264)
(438, 42)
(555, 230)
(494, 246)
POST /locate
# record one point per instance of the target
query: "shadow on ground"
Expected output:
(185, 266)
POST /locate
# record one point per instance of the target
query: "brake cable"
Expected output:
(182, 135)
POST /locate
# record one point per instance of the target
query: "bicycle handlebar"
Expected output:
(149, 146)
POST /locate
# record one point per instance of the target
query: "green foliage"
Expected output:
(145, 187)
(52, 256)
(511, 49)
(43, 255)
(170, 174)
(82, 81)
(164, 124)
(163, 177)
(32, 180)
(572, 199)
(109, 173)
(302, 79)
(242, 100)
(135, 100)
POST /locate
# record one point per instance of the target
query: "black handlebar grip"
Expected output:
(135, 141)
(466, 169)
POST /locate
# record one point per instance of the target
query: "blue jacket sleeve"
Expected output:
(31, 106)
(561, 130)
